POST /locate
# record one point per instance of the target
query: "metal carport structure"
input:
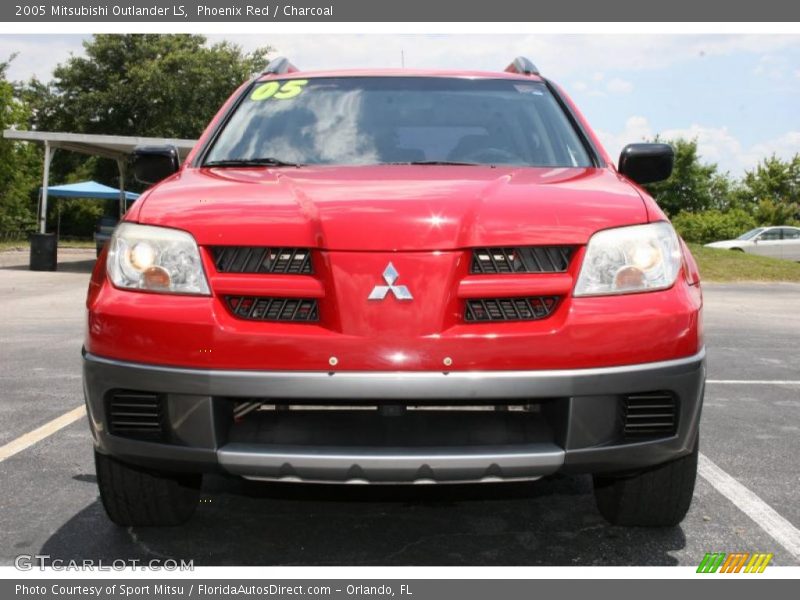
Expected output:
(114, 147)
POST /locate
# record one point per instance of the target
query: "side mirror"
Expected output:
(151, 164)
(646, 163)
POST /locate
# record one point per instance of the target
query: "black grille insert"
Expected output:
(139, 415)
(649, 415)
(256, 308)
(254, 259)
(509, 309)
(525, 259)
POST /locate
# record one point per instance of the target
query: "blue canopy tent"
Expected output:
(88, 189)
(85, 189)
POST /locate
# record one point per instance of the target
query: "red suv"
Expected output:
(396, 276)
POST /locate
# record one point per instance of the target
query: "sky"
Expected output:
(738, 95)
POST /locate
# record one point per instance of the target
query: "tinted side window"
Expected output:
(771, 235)
(791, 234)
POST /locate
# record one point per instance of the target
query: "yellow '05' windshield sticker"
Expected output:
(279, 90)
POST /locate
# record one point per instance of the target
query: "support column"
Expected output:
(123, 204)
(48, 156)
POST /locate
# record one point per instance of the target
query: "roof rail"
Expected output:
(523, 66)
(279, 65)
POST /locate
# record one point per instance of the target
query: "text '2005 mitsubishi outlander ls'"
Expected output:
(396, 277)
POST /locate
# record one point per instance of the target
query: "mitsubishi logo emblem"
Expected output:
(390, 275)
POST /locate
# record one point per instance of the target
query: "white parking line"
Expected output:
(38, 434)
(781, 530)
(755, 381)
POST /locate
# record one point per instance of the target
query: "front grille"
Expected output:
(254, 308)
(649, 415)
(525, 259)
(509, 309)
(139, 415)
(254, 259)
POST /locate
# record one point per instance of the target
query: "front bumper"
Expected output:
(579, 428)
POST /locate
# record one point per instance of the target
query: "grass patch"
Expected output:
(729, 265)
(89, 244)
(26, 245)
(14, 245)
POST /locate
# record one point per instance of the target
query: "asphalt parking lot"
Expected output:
(750, 431)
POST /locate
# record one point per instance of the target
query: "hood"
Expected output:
(393, 208)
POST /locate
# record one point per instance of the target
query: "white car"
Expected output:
(777, 242)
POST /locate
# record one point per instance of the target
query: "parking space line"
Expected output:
(40, 433)
(755, 381)
(781, 530)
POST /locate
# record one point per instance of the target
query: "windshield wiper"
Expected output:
(251, 162)
(439, 162)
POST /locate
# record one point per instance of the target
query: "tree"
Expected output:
(769, 212)
(147, 85)
(18, 164)
(693, 186)
(772, 188)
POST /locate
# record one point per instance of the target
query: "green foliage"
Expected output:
(75, 217)
(772, 212)
(773, 179)
(713, 225)
(693, 185)
(18, 164)
(147, 85)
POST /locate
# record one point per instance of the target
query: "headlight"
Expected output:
(625, 260)
(157, 259)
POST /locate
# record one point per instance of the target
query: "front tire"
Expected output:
(657, 497)
(142, 497)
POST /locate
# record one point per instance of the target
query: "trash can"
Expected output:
(44, 252)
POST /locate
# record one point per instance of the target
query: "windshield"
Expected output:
(380, 120)
(750, 234)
